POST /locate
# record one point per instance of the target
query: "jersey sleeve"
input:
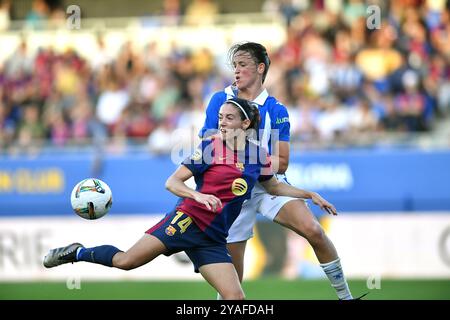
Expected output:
(266, 167)
(212, 115)
(281, 122)
(199, 161)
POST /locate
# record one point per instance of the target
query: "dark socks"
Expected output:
(101, 254)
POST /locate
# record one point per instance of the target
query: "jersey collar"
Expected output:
(260, 100)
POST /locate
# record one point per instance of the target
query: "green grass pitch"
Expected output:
(266, 288)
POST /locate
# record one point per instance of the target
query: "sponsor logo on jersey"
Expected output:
(282, 120)
(239, 187)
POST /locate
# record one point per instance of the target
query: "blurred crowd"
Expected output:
(344, 82)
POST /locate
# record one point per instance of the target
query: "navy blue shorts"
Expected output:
(178, 232)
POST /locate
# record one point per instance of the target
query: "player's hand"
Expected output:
(211, 202)
(323, 204)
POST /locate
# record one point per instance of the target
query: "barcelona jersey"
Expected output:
(227, 174)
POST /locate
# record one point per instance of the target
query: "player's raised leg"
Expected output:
(223, 278)
(142, 252)
(145, 250)
(296, 216)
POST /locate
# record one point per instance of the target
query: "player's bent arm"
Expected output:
(276, 188)
(280, 157)
(175, 184)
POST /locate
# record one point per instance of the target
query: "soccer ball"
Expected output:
(91, 198)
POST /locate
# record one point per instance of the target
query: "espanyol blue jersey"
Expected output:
(274, 124)
(230, 176)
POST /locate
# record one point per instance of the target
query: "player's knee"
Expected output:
(124, 262)
(236, 294)
(240, 296)
(233, 295)
(315, 233)
(311, 230)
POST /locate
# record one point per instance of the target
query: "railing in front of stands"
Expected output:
(101, 24)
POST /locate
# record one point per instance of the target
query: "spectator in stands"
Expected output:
(379, 59)
(5, 18)
(289, 9)
(440, 35)
(171, 12)
(390, 120)
(333, 120)
(102, 55)
(363, 121)
(345, 76)
(304, 117)
(59, 128)
(31, 132)
(411, 103)
(353, 11)
(7, 128)
(81, 122)
(20, 63)
(162, 139)
(38, 15)
(316, 54)
(201, 12)
(111, 102)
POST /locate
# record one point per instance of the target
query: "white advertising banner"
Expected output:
(393, 245)
(25, 241)
(369, 245)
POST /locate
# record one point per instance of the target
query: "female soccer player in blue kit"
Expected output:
(226, 168)
(251, 64)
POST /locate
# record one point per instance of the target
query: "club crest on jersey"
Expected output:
(239, 187)
(170, 231)
(240, 166)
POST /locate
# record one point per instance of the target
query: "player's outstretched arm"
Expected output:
(276, 188)
(175, 184)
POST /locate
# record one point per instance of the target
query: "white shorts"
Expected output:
(260, 202)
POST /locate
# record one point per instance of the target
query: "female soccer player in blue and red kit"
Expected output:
(226, 167)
